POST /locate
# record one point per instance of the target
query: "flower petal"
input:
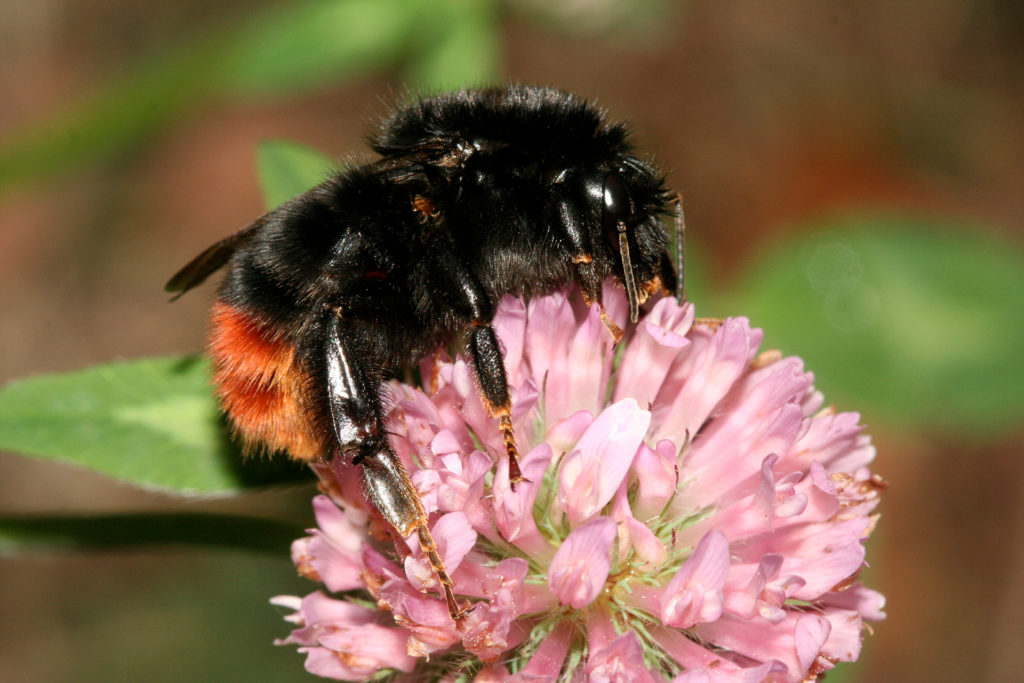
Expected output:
(837, 442)
(795, 641)
(704, 665)
(858, 597)
(694, 594)
(659, 339)
(485, 631)
(580, 567)
(733, 674)
(657, 473)
(316, 614)
(591, 473)
(590, 354)
(844, 638)
(331, 554)
(760, 418)
(766, 592)
(513, 510)
(770, 489)
(620, 661)
(547, 660)
(550, 325)
(712, 364)
(823, 555)
(563, 434)
(360, 652)
(510, 329)
(454, 537)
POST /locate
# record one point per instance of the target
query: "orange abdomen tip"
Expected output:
(260, 385)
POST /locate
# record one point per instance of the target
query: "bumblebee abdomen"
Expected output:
(261, 385)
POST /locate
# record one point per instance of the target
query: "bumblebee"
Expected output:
(476, 194)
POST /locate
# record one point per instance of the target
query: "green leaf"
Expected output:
(908, 321)
(459, 46)
(276, 51)
(298, 46)
(153, 423)
(288, 169)
(109, 119)
(19, 534)
(303, 45)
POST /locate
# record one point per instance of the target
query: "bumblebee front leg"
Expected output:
(493, 381)
(467, 300)
(358, 424)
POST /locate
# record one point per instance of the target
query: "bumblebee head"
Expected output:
(628, 238)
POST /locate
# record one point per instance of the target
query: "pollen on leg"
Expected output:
(612, 328)
(654, 286)
(515, 475)
(504, 415)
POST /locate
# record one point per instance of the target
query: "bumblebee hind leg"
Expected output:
(358, 423)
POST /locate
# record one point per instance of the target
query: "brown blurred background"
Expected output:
(766, 114)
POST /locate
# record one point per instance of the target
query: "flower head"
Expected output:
(693, 512)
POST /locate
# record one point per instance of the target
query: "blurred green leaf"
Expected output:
(288, 169)
(908, 321)
(19, 534)
(153, 423)
(110, 119)
(280, 50)
(458, 46)
(302, 45)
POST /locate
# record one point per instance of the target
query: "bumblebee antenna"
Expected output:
(680, 250)
(627, 273)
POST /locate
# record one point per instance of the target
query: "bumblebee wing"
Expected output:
(211, 259)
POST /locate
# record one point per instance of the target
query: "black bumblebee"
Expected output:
(477, 194)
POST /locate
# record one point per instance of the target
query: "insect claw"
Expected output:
(429, 548)
(515, 475)
(456, 611)
(614, 329)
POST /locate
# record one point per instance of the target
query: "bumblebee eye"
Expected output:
(617, 210)
(617, 206)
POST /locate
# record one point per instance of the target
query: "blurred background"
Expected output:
(852, 174)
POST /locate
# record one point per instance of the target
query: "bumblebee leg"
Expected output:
(358, 424)
(490, 372)
(388, 487)
(566, 213)
(613, 329)
(680, 255)
(468, 301)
